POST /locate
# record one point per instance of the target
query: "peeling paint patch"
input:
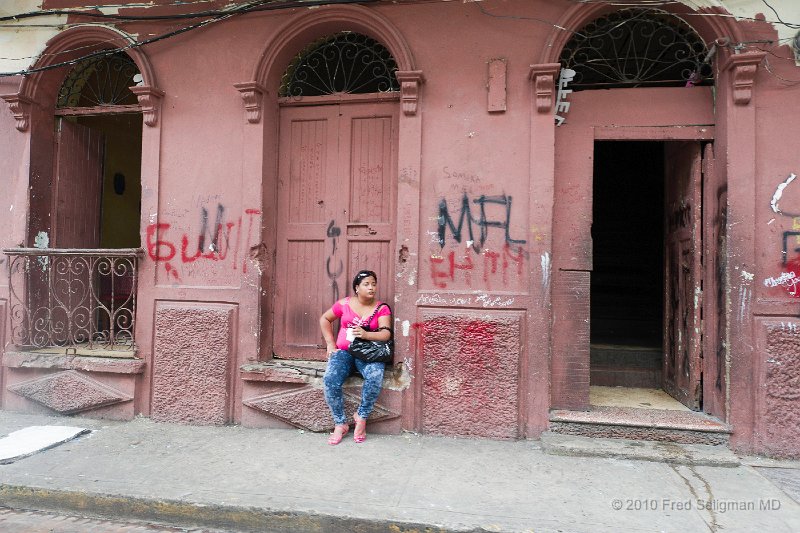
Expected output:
(42, 240)
(406, 327)
(545, 270)
(776, 197)
(747, 276)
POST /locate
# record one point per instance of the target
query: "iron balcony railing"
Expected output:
(73, 299)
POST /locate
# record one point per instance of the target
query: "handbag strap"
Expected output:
(369, 320)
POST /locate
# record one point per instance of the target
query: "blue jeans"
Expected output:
(340, 365)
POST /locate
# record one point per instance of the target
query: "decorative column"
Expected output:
(21, 109)
(252, 94)
(150, 100)
(408, 228)
(743, 69)
(543, 77)
(736, 146)
(410, 81)
(560, 355)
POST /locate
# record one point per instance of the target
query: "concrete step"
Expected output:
(638, 450)
(681, 427)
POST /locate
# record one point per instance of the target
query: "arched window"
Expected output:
(637, 48)
(344, 62)
(100, 81)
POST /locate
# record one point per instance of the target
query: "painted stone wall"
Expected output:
(482, 273)
(771, 289)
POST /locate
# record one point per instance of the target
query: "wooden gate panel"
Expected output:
(309, 198)
(78, 186)
(715, 204)
(78, 191)
(371, 169)
(683, 273)
(369, 163)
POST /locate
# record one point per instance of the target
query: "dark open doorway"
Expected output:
(647, 280)
(627, 283)
(120, 190)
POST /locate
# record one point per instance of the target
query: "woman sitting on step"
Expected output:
(361, 317)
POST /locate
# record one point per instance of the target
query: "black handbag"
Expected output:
(373, 351)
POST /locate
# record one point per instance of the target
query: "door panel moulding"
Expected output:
(659, 133)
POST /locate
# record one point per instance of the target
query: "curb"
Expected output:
(187, 514)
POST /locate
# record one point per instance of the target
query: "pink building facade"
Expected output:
(544, 213)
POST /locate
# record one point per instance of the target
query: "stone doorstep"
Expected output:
(396, 377)
(642, 418)
(641, 425)
(639, 450)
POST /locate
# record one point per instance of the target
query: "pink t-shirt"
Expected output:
(349, 318)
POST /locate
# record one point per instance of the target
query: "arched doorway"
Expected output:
(643, 214)
(336, 192)
(98, 155)
(74, 289)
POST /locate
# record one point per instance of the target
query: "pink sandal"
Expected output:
(360, 431)
(338, 434)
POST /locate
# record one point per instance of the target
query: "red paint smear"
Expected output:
(793, 267)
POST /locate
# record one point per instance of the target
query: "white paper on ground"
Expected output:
(27, 441)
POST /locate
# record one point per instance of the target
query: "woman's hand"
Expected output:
(330, 348)
(359, 332)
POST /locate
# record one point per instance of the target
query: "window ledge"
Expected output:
(112, 362)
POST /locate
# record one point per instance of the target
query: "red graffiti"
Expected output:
(510, 260)
(172, 271)
(163, 249)
(154, 246)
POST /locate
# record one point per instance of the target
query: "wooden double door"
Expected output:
(336, 213)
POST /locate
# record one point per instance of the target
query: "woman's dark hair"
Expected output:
(361, 275)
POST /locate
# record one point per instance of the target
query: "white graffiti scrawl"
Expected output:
(788, 280)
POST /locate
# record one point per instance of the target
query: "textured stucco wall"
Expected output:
(192, 362)
(779, 394)
(470, 372)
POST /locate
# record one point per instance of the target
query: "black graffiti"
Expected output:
(446, 221)
(785, 251)
(201, 239)
(333, 232)
(680, 218)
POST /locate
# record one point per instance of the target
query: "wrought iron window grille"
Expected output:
(637, 47)
(100, 81)
(345, 62)
(73, 300)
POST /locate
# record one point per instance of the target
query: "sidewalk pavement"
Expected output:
(238, 479)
